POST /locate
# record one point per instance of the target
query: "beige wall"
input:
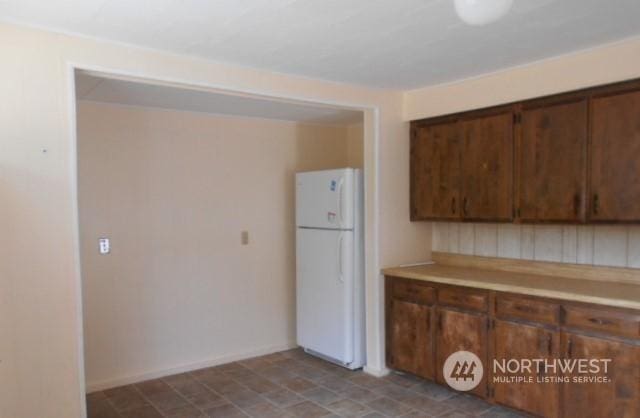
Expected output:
(617, 246)
(40, 354)
(173, 191)
(40, 350)
(607, 64)
(355, 145)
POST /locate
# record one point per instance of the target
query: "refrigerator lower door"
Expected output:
(325, 303)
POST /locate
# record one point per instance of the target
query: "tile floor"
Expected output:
(286, 384)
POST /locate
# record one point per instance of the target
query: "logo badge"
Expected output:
(463, 371)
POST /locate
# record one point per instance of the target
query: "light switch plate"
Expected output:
(104, 245)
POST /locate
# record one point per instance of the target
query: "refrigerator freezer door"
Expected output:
(325, 199)
(325, 280)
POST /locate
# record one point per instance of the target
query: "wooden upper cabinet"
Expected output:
(615, 158)
(552, 158)
(569, 158)
(435, 171)
(487, 167)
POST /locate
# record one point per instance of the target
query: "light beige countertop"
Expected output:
(605, 292)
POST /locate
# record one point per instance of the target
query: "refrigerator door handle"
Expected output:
(340, 200)
(340, 272)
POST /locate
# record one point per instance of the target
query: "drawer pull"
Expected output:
(549, 344)
(527, 309)
(599, 321)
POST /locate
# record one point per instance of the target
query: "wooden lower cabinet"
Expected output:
(461, 331)
(411, 338)
(514, 340)
(618, 399)
(427, 322)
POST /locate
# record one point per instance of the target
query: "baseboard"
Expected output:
(375, 371)
(140, 377)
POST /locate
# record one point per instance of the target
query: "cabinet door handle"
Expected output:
(576, 204)
(569, 348)
(340, 272)
(440, 322)
(596, 204)
(453, 205)
(464, 206)
(549, 344)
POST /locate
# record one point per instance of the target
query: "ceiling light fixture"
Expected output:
(482, 12)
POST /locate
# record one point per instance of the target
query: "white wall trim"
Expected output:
(140, 377)
(73, 158)
(377, 372)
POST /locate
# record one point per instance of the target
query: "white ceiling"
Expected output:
(108, 90)
(382, 43)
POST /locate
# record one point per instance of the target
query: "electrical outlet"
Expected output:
(244, 238)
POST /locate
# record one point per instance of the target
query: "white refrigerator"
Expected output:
(330, 265)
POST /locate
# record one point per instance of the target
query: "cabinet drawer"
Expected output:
(508, 306)
(608, 321)
(413, 291)
(468, 299)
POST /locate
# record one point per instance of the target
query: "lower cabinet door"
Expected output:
(519, 341)
(620, 397)
(459, 331)
(411, 338)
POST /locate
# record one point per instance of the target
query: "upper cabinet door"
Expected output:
(615, 158)
(435, 171)
(552, 159)
(487, 167)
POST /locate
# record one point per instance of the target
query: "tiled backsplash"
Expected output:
(597, 245)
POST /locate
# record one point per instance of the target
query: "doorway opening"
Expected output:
(193, 191)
